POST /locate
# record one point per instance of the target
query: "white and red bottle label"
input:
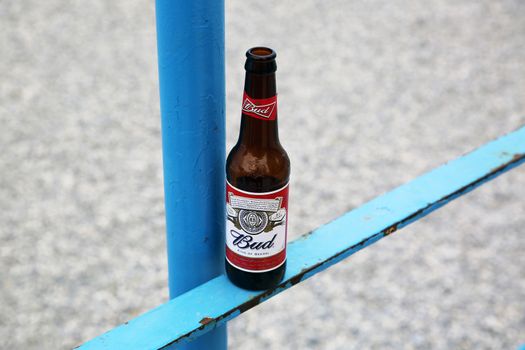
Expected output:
(256, 225)
(264, 108)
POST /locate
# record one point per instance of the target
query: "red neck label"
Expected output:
(264, 108)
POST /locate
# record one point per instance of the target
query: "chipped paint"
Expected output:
(390, 230)
(515, 158)
(206, 320)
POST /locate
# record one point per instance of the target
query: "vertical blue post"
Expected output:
(190, 41)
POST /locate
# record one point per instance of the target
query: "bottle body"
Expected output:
(257, 173)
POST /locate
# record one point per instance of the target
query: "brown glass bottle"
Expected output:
(258, 164)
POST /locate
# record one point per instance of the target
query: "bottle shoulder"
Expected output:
(270, 166)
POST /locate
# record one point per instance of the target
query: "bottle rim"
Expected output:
(261, 53)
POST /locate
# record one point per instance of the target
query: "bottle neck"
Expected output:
(259, 132)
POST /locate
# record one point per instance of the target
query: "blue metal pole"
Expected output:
(190, 41)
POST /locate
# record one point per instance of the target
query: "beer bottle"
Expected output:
(257, 174)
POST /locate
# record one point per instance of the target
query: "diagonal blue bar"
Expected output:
(202, 309)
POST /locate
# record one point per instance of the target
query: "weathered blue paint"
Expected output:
(212, 304)
(190, 40)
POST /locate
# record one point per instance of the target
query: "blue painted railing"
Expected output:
(210, 305)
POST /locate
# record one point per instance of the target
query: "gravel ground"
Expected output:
(383, 91)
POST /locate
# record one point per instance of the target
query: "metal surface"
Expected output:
(190, 39)
(210, 305)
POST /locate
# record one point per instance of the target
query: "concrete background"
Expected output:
(371, 94)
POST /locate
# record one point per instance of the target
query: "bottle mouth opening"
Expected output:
(261, 53)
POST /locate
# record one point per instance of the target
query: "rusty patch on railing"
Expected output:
(515, 158)
(206, 320)
(299, 277)
(390, 230)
